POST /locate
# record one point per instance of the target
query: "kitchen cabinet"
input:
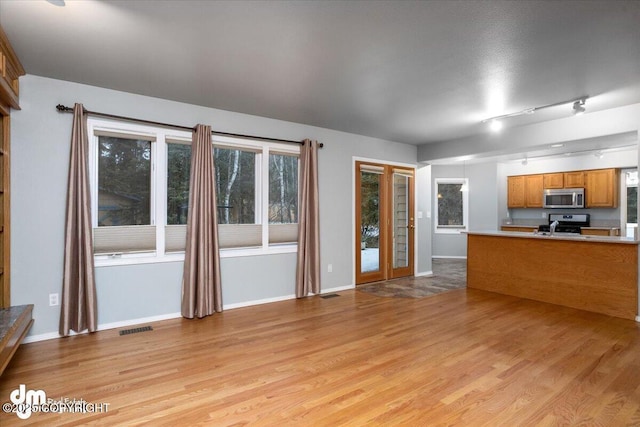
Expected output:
(553, 180)
(525, 191)
(515, 194)
(596, 275)
(520, 228)
(601, 188)
(533, 186)
(574, 179)
(600, 231)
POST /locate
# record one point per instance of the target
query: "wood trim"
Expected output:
(386, 227)
(409, 269)
(382, 242)
(5, 262)
(7, 95)
(10, 53)
(10, 71)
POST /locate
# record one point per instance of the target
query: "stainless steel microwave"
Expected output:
(563, 198)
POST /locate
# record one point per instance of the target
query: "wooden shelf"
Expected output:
(15, 322)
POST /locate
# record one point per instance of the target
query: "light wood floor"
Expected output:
(466, 357)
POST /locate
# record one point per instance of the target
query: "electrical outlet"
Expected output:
(544, 215)
(53, 300)
(330, 268)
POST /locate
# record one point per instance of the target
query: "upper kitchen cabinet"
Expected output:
(515, 194)
(574, 179)
(553, 180)
(525, 191)
(533, 186)
(601, 188)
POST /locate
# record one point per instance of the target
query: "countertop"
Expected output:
(570, 237)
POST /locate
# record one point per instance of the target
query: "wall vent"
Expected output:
(135, 330)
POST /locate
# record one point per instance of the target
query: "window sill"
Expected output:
(151, 258)
(450, 230)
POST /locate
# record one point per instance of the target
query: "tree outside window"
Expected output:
(178, 175)
(451, 205)
(124, 181)
(235, 185)
(283, 189)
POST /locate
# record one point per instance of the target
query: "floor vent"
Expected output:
(135, 330)
(329, 296)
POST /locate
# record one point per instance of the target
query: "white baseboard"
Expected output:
(258, 302)
(132, 322)
(424, 273)
(103, 327)
(337, 289)
(448, 257)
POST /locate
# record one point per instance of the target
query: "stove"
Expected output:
(567, 223)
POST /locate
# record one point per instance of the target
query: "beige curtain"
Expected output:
(78, 310)
(201, 289)
(308, 266)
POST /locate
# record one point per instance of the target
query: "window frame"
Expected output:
(628, 229)
(158, 209)
(442, 229)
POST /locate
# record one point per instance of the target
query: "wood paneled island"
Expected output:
(592, 273)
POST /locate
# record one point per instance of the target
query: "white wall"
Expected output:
(483, 205)
(40, 157)
(423, 224)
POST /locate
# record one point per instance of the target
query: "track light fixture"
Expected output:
(495, 123)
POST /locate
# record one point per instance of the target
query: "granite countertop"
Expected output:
(8, 317)
(569, 237)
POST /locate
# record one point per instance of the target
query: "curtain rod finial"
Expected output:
(62, 109)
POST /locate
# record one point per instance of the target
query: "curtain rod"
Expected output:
(63, 109)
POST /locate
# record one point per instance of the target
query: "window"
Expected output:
(629, 201)
(451, 213)
(140, 185)
(283, 198)
(178, 175)
(237, 186)
(124, 205)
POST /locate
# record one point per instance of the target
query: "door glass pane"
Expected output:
(631, 181)
(370, 221)
(400, 221)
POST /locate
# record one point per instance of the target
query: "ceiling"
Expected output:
(407, 71)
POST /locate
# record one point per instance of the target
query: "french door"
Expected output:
(384, 222)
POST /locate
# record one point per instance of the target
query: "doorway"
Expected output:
(385, 226)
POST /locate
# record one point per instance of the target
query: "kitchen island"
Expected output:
(593, 273)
